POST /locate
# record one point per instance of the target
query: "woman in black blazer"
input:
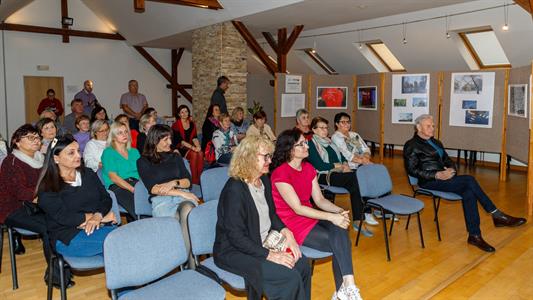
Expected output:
(245, 217)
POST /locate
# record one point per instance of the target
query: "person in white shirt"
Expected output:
(94, 148)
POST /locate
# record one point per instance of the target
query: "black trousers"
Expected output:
(330, 238)
(282, 283)
(125, 198)
(469, 189)
(36, 223)
(349, 182)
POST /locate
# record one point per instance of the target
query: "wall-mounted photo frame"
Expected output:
(331, 97)
(367, 97)
(518, 98)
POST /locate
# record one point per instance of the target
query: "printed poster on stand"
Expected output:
(472, 99)
(410, 97)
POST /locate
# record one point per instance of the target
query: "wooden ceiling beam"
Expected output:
(282, 57)
(61, 31)
(64, 14)
(271, 41)
(525, 4)
(292, 38)
(139, 5)
(256, 48)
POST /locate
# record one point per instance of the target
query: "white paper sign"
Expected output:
(290, 103)
(410, 97)
(472, 99)
(293, 84)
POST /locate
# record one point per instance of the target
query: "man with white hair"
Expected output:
(426, 159)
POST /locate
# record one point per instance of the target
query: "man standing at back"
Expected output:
(133, 104)
(218, 95)
(87, 97)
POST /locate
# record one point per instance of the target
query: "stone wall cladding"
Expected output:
(217, 50)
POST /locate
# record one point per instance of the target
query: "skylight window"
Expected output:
(384, 54)
(485, 48)
(313, 54)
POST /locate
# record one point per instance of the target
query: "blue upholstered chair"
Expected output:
(212, 182)
(141, 199)
(313, 254)
(202, 228)
(12, 256)
(140, 254)
(435, 195)
(120, 208)
(375, 186)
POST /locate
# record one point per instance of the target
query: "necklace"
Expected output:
(257, 189)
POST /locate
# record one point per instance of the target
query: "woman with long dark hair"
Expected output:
(119, 167)
(75, 203)
(294, 183)
(186, 140)
(246, 217)
(166, 178)
(211, 123)
(99, 113)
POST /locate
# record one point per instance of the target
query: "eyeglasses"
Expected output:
(32, 138)
(302, 144)
(125, 132)
(344, 122)
(103, 130)
(267, 156)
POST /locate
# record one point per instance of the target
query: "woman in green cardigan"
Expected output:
(333, 169)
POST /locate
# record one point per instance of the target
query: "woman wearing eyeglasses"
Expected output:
(119, 167)
(92, 156)
(245, 217)
(294, 183)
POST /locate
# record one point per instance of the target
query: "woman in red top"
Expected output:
(50, 102)
(186, 141)
(294, 182)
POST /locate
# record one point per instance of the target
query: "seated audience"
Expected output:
(294, 183)
(186, 141)
(239, 125)
(51, 103)
(151, 111)
(119, 167)
(224, 140)
(48, 113)
(211, 124)
(69, 123)
(352, 147)
(83, 135)
(47, 130)
(122, 118)
(166, 179)
(76, 205)
(145, 123)
(259, 126)
(133, 104)
(303, 120)
(99, 113)
(95, 147)
(334, 170)
(245, 218)
(426, 159)
(18, 179)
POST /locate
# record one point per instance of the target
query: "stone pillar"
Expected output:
(217, 50)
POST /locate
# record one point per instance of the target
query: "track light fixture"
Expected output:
(448, 27)
(505, 26)
(404, 33)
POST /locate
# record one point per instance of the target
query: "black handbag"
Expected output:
(31, 208)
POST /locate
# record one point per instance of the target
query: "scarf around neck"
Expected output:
(321, 144)
(35, 162)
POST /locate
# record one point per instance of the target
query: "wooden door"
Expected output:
(35, 88)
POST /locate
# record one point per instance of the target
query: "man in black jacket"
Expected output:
(426, 159)
(218, 95)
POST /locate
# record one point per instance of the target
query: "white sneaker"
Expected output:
(370, 220)
(349, 293)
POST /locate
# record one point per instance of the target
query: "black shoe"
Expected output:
(479, 242)
(17, 243)
(57, 284)
(501, 220)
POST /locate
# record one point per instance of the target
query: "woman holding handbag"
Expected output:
(247, 225)
(294, 183)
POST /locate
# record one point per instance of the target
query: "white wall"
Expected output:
(110, 64)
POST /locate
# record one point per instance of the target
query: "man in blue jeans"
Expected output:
(426, 159)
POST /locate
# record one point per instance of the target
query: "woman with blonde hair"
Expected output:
(119, 166)
(92, 156)
(246, 217)
(145, 123)
(239, 125)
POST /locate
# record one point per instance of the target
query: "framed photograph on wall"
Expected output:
(331, 97)
(367, 97)
(472, 99)
(517, 105)
(410, 97)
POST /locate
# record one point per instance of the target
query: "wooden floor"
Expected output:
(449, 269)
